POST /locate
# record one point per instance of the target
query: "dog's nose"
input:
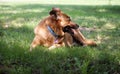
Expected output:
(68, 29)
(76, 26)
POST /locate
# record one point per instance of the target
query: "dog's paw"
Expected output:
(52, 47)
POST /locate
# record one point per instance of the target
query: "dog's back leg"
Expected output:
(68, 39)
(35, 42)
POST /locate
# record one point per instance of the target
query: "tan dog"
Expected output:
(49, 31)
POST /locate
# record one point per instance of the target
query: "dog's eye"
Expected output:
(69, 19)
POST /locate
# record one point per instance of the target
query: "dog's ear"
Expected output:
(55, 12)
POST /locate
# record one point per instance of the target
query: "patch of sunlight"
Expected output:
(23, 11)
(34, 10)
(14, 23)
(102, 10)
(5, 26)
(110, 47)
(89, 18)
(4, 17)
(5, 8)
(99, 39)
(109, 26)
(106, 37)
(18, 22)
(103, 19)
(10, 11)
(98, 30)
(31, 24)
(17, 25)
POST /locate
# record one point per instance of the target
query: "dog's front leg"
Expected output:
(79, 36)
(68, 40)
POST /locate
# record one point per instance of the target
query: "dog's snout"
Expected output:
(74, 26)
(77, 25)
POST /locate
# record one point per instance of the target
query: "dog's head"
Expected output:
(62, 18)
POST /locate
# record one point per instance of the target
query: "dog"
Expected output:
(57, 30)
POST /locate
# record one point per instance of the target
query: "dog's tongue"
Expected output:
(56, 41)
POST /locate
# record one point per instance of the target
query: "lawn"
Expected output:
(17, 22)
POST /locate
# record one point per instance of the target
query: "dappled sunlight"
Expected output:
(102, 26)
(99, 39)
(108, 26)
(4, 17)
(17, 16)
(98, 23)
(15, 24)
(102, 10)
(5, 25)
(93, 18)
(4, 8)
(103, 19)
(106, 37)
(20, 22)
(102, 38)
(34, 10)
(23, 11)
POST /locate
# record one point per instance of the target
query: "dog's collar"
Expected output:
(52, 32)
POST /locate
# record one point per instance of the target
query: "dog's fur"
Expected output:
(58, 21)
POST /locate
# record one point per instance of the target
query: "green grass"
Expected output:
(17, 37)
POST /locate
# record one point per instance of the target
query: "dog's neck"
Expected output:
(55, 25)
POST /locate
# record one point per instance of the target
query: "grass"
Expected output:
(16, 33)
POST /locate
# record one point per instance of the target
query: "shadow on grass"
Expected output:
(15, 57)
